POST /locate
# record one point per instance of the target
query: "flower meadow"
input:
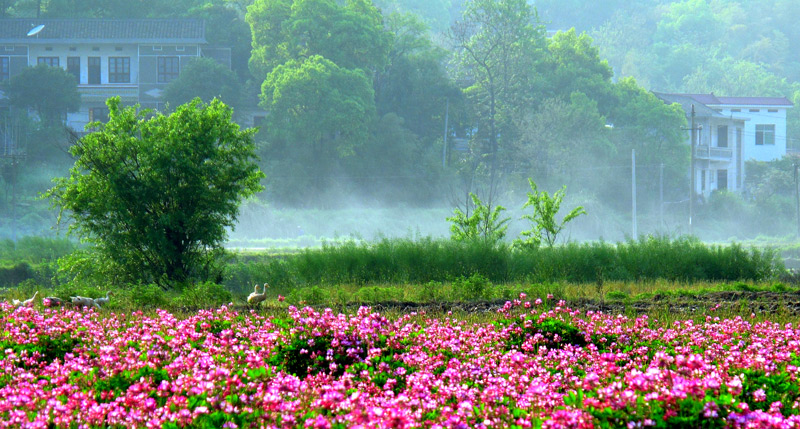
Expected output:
(533, 365)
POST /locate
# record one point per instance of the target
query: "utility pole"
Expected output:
(444, 146)
(691, 174)
(633, 191)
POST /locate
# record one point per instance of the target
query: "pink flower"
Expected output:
(281, 298)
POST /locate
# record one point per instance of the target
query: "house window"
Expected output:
(722, 179)
(4, 70)
(755, 110)
(765, 134)
(94, 70)
(168, 69)
(50, 61)
(736, 110)
(772, 110)
(9, 49)
(722, 136)
(119, 69)
(158, 48)
(98, 114)
(74, 68)
(180, 48)
(702, 180)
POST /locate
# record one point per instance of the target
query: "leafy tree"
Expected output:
(51, 91)
(414, 85)
(498, 45)
(319, 114)
(155, 193)
(574, 64)
(206, 79)
(560, 136)
(351, 36)
(543, 219)
(226, 27)
(483, 224)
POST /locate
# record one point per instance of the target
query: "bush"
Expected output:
(379, 294)
(310, 296)
(203, 295)
(19, 272)
(473, 288)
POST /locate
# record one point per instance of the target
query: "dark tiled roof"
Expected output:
(715, 100)
(103, 30)
(686, 101)
(756, 101)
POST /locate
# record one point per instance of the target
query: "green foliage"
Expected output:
(48, 347)
(350, 35)
(319, 114)
(17, 273)
(314, 295)
(51, 91)
(206, 79)
(427, 260)
(203, 295)
(474, 287)
(483, 224)
(543, 218)
(376, 294)
(155, 193)
(35, 249)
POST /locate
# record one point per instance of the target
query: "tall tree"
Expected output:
(51, 91)
(206, 79)
(155, 194)
(319, 114)
(498, 44)
(352, 35)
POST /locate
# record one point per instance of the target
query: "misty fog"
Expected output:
(385, 129)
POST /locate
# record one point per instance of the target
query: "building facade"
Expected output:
(130, 58)
(730, 131)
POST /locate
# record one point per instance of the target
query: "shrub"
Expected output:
(203, 295)
(472, 288)
(379, 294)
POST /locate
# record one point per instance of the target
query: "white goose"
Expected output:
(26, 303)
(82, 301)
(103, 300)
(255, 297)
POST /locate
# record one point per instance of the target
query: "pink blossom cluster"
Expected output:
(67, 368)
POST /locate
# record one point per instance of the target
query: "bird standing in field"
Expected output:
(103, 300)
(82, 301)
(255, 297)
(26, 303)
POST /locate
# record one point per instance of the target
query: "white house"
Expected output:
(730, 131)
(130, 58)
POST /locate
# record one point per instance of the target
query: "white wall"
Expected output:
(87, 50)
(762, 116)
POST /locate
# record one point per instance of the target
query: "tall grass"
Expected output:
(403, 261)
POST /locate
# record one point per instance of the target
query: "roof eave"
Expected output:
(32, 41)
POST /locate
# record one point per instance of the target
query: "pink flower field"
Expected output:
(532, 367)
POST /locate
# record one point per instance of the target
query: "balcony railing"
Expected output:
(99, 93)
(713, 153)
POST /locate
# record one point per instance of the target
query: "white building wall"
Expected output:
(84, 51)
(762, 115)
